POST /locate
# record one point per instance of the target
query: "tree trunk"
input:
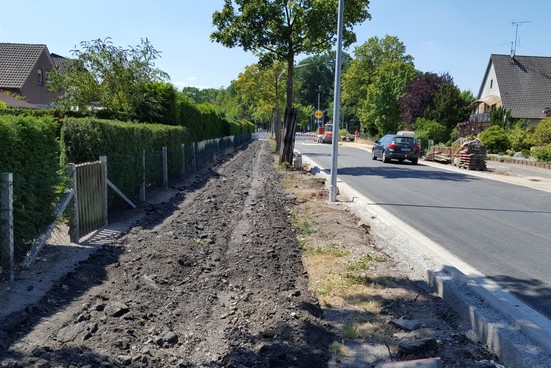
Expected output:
(289, 136)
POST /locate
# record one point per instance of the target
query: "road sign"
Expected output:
(318, 114)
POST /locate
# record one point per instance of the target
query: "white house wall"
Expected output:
(490, 87)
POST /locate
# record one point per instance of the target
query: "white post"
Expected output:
(103, 160)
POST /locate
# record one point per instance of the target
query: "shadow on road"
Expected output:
(397, 172)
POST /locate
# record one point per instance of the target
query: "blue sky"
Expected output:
(451, 36)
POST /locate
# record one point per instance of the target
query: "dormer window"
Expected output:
(40, 76)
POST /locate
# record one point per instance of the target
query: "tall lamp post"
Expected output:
(336, 105)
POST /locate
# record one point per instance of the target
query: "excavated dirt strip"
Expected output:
(212, 279)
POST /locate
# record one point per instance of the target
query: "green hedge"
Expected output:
(124, 144)
(30, 150)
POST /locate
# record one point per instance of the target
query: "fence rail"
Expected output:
(90, 185)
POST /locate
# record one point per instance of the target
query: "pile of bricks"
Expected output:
(472, 156)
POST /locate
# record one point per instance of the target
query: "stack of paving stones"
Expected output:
(472, 156)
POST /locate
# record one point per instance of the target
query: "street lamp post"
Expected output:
(336, 105)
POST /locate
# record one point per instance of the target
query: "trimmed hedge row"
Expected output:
(30, 150)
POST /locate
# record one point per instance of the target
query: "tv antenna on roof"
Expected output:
(516, 24)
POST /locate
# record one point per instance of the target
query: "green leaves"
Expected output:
(376, 81)
(108, 76)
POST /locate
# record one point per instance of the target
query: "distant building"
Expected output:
(519, 84)
(24, 71)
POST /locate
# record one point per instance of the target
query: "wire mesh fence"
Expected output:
(156, 170)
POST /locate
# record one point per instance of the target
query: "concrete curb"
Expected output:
(519, 335)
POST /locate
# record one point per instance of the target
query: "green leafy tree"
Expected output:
(501, 117)
(156, 105)
(375, 82)
(280, 30)
(448, 107)
(316, 76)
(108, 76)
(382, 106)
(368, 58)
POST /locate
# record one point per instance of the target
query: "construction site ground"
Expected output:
(243, 265)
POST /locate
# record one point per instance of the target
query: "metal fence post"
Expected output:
(165, 168)
(194, 155)
(6, 224)
(142, 188)
(183, 168)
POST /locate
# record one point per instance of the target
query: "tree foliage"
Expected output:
(382, 106)
(375, 82)
(316, 74)
(279, 30)
(419, 94)
(111, 77)
(448, 107)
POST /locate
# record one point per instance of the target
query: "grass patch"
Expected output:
(363, 263)
(331, 249)
(303, 221)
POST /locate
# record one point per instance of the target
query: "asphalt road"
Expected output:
(501, 229)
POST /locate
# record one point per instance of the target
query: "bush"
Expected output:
(495, 139)
(542, 133)
(519, 138)
(426, 130)
(542, 153)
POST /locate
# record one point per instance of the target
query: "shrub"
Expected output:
(542, 153)
(519, 138)
(429, 129)
(542, 133)
(495, 139)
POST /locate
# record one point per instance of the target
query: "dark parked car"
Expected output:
(396, 147)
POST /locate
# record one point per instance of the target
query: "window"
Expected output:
(491, 83)
(40, 76)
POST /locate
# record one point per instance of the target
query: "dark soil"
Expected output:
(216, 277)
(213, 278)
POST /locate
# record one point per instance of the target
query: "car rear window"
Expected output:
(406, 140)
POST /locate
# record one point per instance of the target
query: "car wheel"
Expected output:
(385, 159)
(373, 157)
(414, 161)
(400, 160)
